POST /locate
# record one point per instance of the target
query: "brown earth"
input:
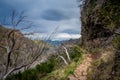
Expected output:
(81, 71)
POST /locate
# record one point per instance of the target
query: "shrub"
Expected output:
(33, 74)
(30, 74)
(116, 42)
(76, 54)
(46, 67)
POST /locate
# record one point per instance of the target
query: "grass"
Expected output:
(63, 73)
(50, 70)
(100, 68)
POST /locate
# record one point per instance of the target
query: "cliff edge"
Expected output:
(101, 36)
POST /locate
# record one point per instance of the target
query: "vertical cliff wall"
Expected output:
(100, 30)
(100, 20)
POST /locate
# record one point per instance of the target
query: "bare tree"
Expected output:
(63, 59)
(18, 52)
(60, 52)
(66, 51)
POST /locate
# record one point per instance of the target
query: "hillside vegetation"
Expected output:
(100, 35)
(18, 53)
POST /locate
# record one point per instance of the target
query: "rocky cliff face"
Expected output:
(101, 29)
(100, 20)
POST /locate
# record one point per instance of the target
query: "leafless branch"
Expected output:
(66, 51)
(63, 59)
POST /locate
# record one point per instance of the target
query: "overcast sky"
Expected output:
(47, 15)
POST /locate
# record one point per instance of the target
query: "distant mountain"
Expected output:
(55, 43)
(58, 43)
(71, 42)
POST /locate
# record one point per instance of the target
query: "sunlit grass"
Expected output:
(63, 73)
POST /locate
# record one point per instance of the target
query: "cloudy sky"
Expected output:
(47, 15)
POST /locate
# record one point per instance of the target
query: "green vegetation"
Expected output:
(34, 74)
(93, 3)
(50, 70)
(63, 73)
(30, 74)
(46, 67)
(76, 54)
(110, 14)
(116, 42)
(101, 67)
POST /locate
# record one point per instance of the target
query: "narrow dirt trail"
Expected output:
(81, 71)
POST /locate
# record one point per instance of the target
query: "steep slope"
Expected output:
(101, 35)
(100, 20)
(18, 52)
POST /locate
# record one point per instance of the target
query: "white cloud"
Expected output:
(58, 36)
(66, 36)
(41, 36)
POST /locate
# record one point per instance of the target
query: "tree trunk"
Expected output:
(64, 60)
(66, 51)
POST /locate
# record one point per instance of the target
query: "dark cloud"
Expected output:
(54, 15)
(71, 31)
(46, 14)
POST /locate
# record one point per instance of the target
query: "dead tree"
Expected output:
(18, 52)
(66, 51)
(63, 59)
(60, 52)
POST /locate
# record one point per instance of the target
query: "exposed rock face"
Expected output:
(101, 29)
(100, 19)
